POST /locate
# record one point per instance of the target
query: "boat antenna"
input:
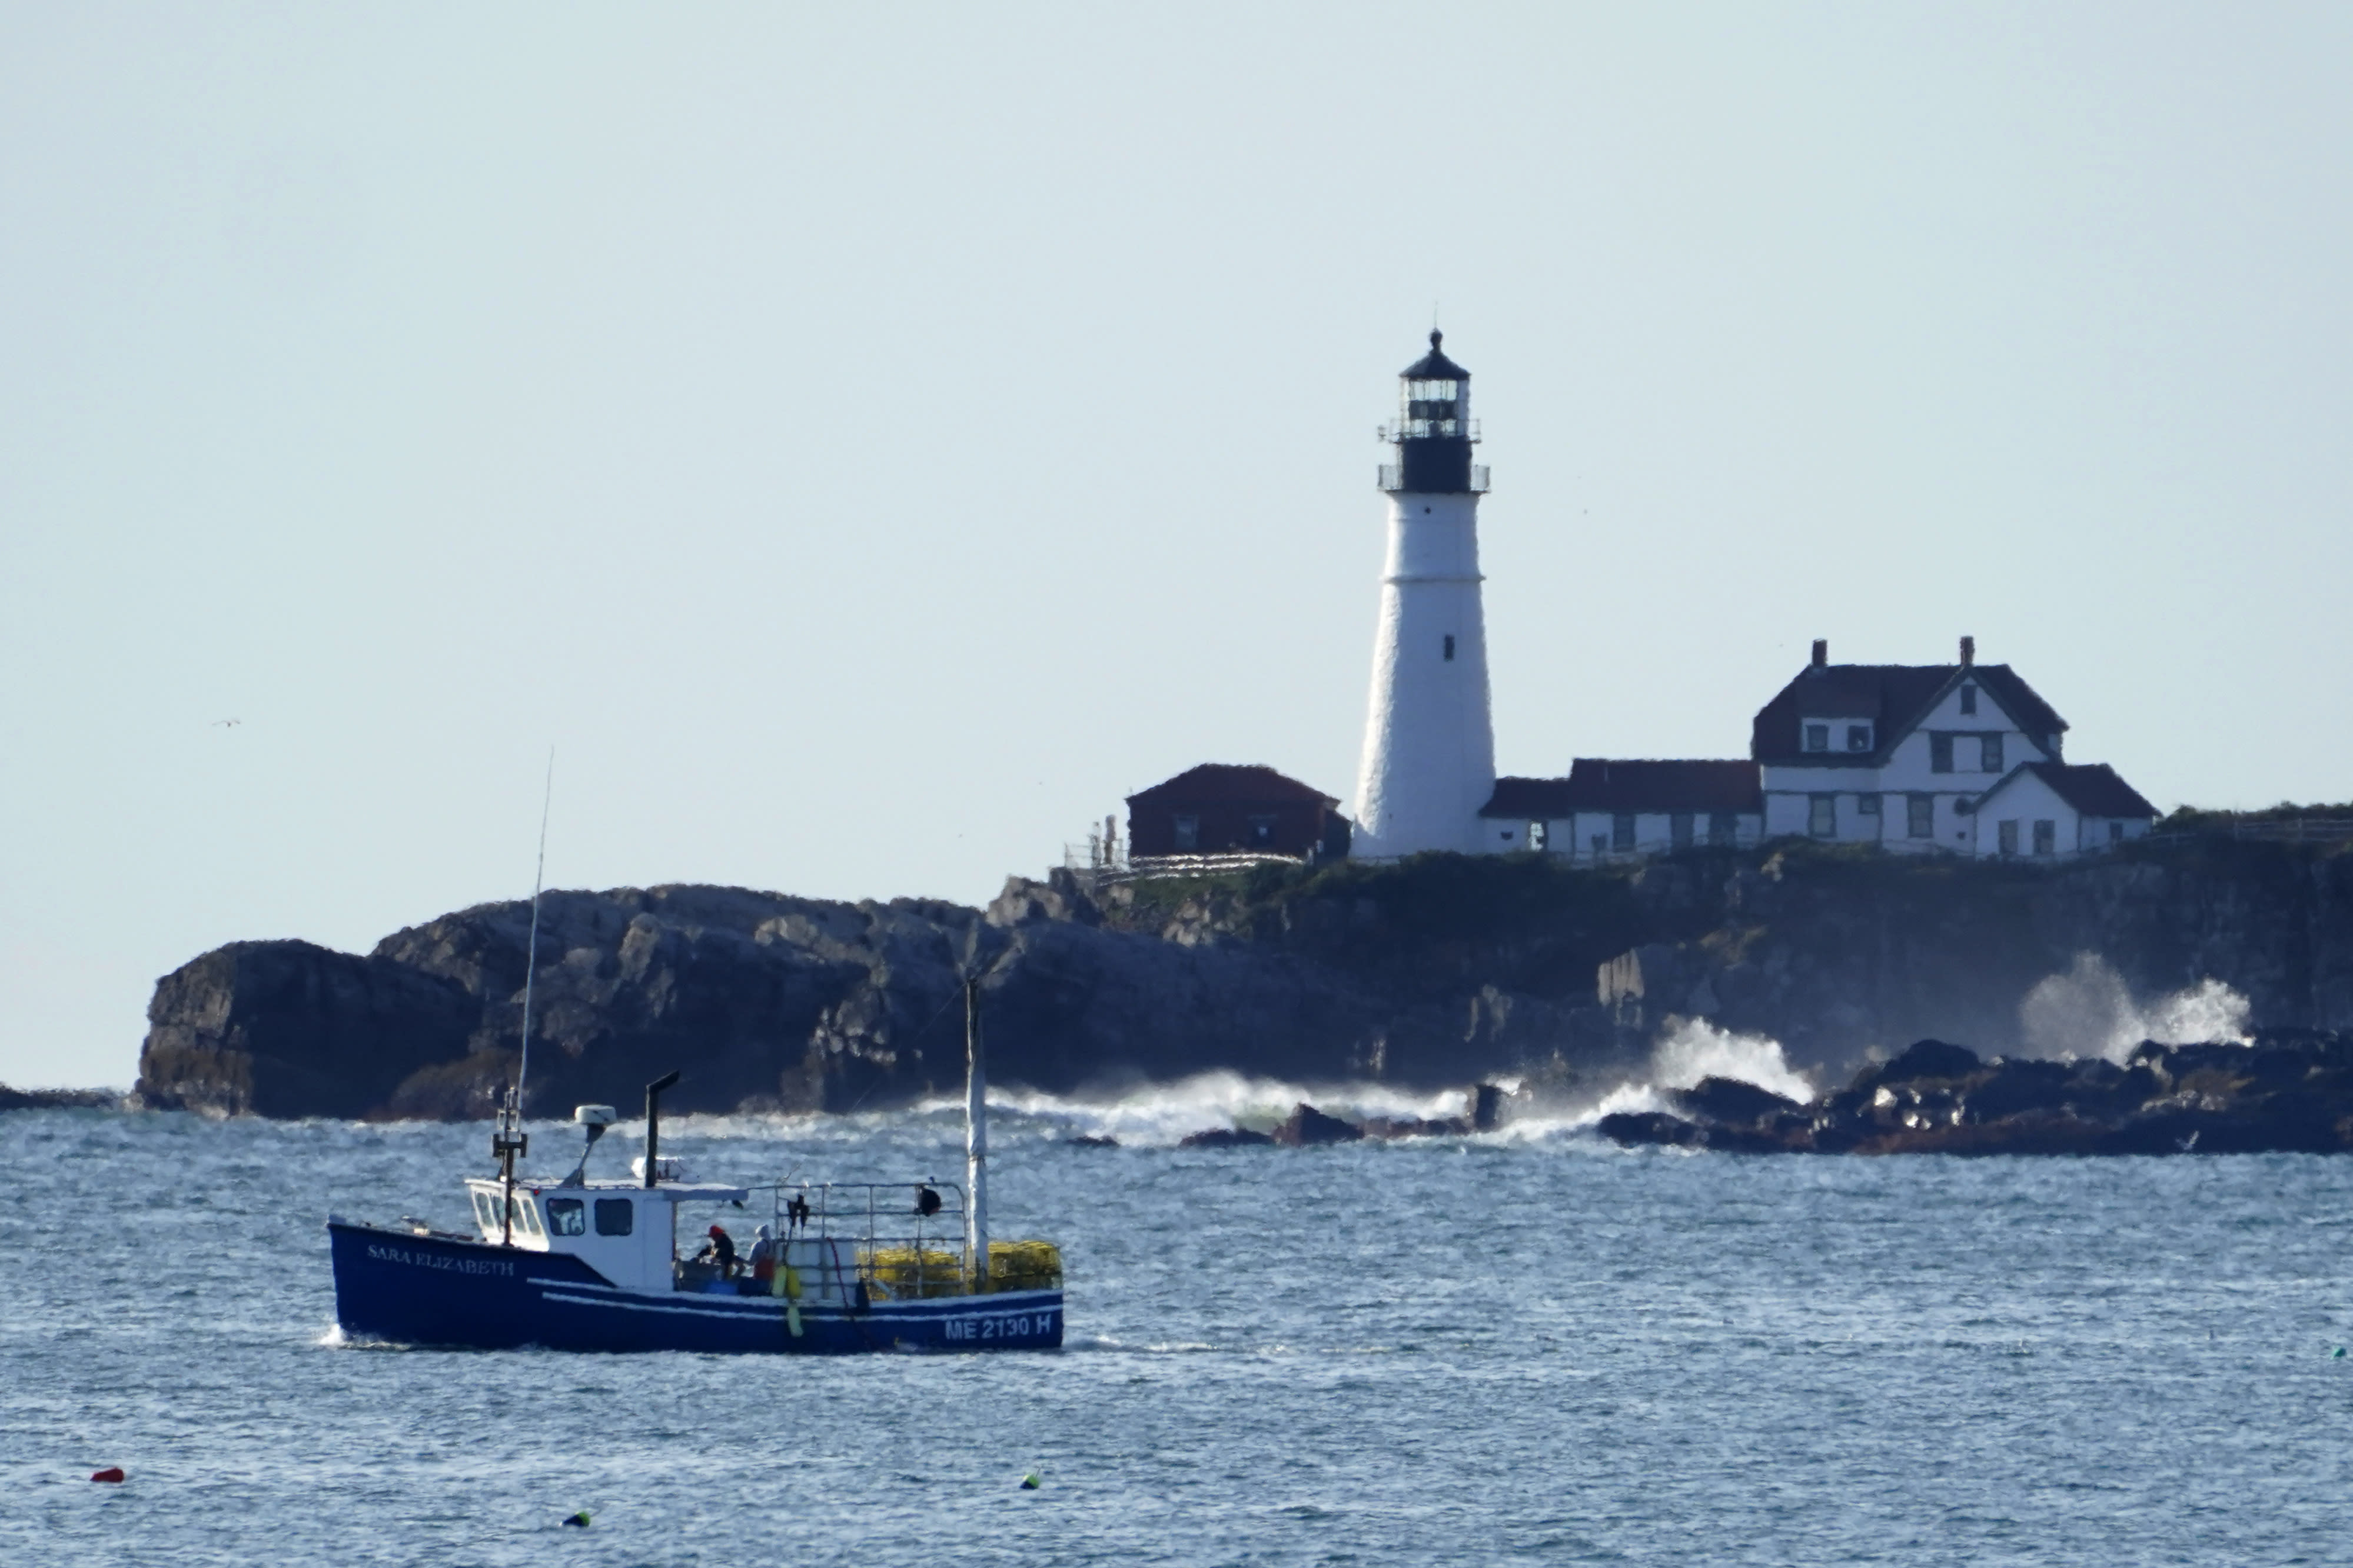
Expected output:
(975, 1111)
(508, 1139)
(531, 953)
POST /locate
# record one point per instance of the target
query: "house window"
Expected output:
(566, 1217)
(1449, 647)
(1188, 833)
(1262, 831)
(1600, 843)
(2006, 835)
(1867, 805)
(1818, 737)
(1857, 737)
(1621, 830)
(1940, 754)
(616, 1216)
(1678, 829)
(2116, 833)
(1919, 815)
(1969, 700)
(1537, 837)
(1990, 753)
(1723, 827)
(2046, 835)
(1821, 815)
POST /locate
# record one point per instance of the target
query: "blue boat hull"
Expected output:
(434, 1291)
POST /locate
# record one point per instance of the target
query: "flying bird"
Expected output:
(227, 723)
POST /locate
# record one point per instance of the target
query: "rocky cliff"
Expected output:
(1431, 973)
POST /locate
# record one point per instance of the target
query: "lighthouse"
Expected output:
(1429, 744)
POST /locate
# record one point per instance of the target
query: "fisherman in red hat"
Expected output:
(721, 1250)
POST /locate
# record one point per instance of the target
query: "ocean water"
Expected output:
(1526, 1348)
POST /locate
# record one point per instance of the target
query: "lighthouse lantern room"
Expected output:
(1429, 747)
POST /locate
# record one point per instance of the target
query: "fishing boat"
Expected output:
(575, 1263)
(582, 1264)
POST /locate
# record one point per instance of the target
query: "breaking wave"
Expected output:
(2090, 1011)
(1161, 1114)
(1688, 1050)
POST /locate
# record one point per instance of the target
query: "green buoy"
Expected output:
(1029, 1481)
(580, 1519)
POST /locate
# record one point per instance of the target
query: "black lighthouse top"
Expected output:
(1434, 433)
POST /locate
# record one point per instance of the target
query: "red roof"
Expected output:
(1252, 782)
(1615, 784)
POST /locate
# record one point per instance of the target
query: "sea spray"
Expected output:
(1688, 1050)
(2090, 1011)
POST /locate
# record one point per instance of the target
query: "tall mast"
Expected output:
(509, 1140)
(976, 1138)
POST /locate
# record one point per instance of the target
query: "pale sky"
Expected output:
(867, 443)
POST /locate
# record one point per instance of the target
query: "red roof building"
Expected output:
(1221, 808)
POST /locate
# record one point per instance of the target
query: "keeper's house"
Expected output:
(1220, 808)
(1962, 757)
(1606, 807)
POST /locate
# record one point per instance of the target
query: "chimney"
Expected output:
(1968, 651)
(1821, 653)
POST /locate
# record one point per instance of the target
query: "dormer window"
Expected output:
(1857, 737)
(1968, 699)
(1818, 737)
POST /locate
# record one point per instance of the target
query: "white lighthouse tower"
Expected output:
(1430, 745)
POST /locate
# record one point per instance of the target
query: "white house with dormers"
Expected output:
(1917, 757)
(1966, 759)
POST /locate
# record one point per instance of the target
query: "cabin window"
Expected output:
(1450, 647)
(566, 1217)
(1940, 754)
(616, 1216)
(1262, 829)
(2006, 836)
(1621, 830)
(1723, 826)
(1920, 816)
(2046, 837)
(1857, 737)
(1188, 833)
(526, 1215)
(2116, 833)
(1990, 754)
(1818, 737)
(1866, 804)
(1821, 815)
(1969, 700)
(1678, 829)
(486, 1212)
(1537, 836)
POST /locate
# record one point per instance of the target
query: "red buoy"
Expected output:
(111, 1473)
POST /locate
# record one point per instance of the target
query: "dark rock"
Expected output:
(1655, 1127)
(1307, 1126)
(1394, 1127)
(60, 1098)
(1728, 1101)
(1090, 1140)
(1223, 1137)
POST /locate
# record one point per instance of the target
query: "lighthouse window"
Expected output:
(616, 1216)
(1449, 647)
(566, 1217)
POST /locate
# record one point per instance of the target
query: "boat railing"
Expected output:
(897, 1243)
